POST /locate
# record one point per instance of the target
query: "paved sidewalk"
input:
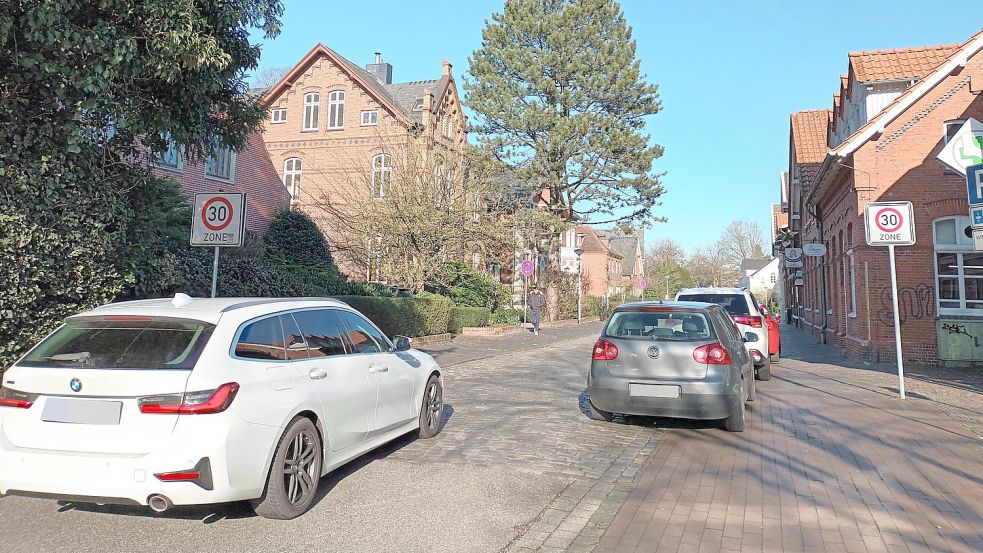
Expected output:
(831, 461)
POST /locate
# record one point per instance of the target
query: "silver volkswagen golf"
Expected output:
(671, 359)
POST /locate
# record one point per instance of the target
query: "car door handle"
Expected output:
(378, 369)
(317, 374)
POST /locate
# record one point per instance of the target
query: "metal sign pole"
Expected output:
(525, 296)
(897, 321)
(215, 273)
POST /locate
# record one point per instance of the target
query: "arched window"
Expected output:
(382, 171)
(336, 109)
(312, 104)
(292, 169)
(449, 188)
(958, 267)
(438, 184)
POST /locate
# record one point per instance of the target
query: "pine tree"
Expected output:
(559, 94)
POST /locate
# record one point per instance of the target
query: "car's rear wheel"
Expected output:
(735, 421)
(432, 408)
(294, 474)
(598, 414)
(764, 371)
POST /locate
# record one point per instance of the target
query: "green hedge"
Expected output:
(507, 317)
(468, 316)
(404, 316)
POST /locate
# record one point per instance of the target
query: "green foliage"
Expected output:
(404, 316)
(468, 316)
(82, 85)
(293, 238)
(466, 286)
(558, 91)
(507, 317)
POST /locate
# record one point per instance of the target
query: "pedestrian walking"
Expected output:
(536, 302)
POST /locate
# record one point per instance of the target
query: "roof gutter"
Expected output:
(881, 121)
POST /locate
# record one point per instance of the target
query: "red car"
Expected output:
(774, 334)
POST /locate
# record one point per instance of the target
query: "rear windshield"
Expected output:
(122, 343)
(735, 304)
(659, 325)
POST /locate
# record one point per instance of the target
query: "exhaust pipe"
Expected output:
(159, 503)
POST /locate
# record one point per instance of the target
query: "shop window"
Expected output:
(958, 267)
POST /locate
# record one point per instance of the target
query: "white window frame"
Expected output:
(292, 176)
(157, 161)
(369, 118)
(278, 115)
(962, 246)
(382, 173)
(336, 109)
(312, 105)
(226, 158)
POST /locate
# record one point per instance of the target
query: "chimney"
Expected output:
(445, 68)
(382, 71)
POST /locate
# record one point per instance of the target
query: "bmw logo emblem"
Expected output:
(75, 384)
(654, 352)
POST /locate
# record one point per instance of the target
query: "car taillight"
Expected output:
(191, 403)
(605, 351)
(14, 398)
(749, 320)
(711, 354)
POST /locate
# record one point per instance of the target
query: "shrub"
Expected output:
(466, 286)
(468, 316)
(404, 316)
(294, 239)
(506, 317)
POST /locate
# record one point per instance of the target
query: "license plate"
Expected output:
(653, 390)
(81, 411)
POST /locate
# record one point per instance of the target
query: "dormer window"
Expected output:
(418, 105)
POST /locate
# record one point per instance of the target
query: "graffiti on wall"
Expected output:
(953, 328)
(914, 302)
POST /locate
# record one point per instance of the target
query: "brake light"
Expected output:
(605, 351)
(712, 354)
(126, 318)
(650, 308)
(191, 403)
(748, 320)
(16, 399)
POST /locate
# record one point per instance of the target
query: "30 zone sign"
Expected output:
(889, 223)
(218, 219)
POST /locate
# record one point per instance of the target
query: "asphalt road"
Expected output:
(518, 465)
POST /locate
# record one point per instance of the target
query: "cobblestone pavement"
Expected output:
(832, 461)
(517, 467)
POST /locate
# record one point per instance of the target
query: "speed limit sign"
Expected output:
(218, 219)
(889, 224)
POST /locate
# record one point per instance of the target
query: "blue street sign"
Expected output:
(974, 183)
(976, 213)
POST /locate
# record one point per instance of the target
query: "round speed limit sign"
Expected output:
(889, 223)
(218, 219)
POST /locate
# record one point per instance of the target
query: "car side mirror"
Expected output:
(750, 337)
(403, 343)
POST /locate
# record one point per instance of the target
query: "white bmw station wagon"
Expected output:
(192, 401)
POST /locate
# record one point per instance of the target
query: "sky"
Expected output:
(729, 76)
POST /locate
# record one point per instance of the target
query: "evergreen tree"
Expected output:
(559, 94)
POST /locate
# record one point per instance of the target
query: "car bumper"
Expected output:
(704, 400)
(238, 467)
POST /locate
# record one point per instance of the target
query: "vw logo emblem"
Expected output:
(75, 384)
(654, 352)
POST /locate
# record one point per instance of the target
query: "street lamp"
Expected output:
(580, 288)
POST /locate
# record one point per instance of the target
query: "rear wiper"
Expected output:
(80, 357)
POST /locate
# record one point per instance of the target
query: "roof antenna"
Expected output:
(180, 300)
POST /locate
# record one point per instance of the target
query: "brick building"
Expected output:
(894, 112)
(248, 170)
(337, 132)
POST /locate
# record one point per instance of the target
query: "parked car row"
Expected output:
(697, 357)
(193, 401)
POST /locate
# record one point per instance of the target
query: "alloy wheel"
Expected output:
(435, 405)
(300, 469)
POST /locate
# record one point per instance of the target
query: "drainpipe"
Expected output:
(822, 278)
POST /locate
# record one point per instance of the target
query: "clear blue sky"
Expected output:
(730, 73)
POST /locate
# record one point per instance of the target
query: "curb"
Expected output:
(431, 339)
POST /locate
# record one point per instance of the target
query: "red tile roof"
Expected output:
(810, 130)
(900, 63)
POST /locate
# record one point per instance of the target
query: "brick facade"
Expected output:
(336, 157)
(897, 164)
(252, 173)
